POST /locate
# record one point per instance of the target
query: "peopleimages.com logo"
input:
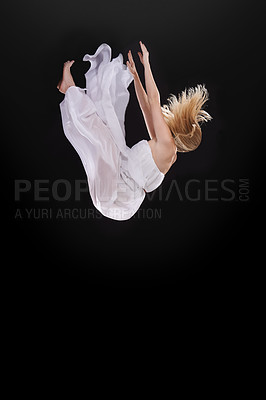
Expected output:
(62, 190)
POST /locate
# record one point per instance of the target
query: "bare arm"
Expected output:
(141, 96)
(152, 90)
(162, 132)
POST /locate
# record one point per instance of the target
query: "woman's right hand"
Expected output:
(144, 56)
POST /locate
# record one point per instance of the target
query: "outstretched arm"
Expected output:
(162, 132)
(141, 96)
(152, 90)
(140, 92)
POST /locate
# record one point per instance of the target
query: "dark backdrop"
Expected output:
(186, 236)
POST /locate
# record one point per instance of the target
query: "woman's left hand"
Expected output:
(131, 64)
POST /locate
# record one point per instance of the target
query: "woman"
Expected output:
(93, 121)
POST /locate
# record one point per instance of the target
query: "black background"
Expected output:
(198, 248)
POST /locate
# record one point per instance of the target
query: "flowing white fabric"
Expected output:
(93, 122)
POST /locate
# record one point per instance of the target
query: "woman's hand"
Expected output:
(131, 64)
(144, 56)
(144, 59)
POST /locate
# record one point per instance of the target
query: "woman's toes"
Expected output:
(68, 63)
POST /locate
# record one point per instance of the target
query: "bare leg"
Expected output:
(67, 79)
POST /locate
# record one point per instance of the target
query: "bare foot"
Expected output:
(67, 79)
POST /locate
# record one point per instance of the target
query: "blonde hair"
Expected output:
(183, 116)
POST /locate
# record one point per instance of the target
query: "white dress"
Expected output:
(93, 122)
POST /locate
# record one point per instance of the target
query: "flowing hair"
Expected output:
(183, 116)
